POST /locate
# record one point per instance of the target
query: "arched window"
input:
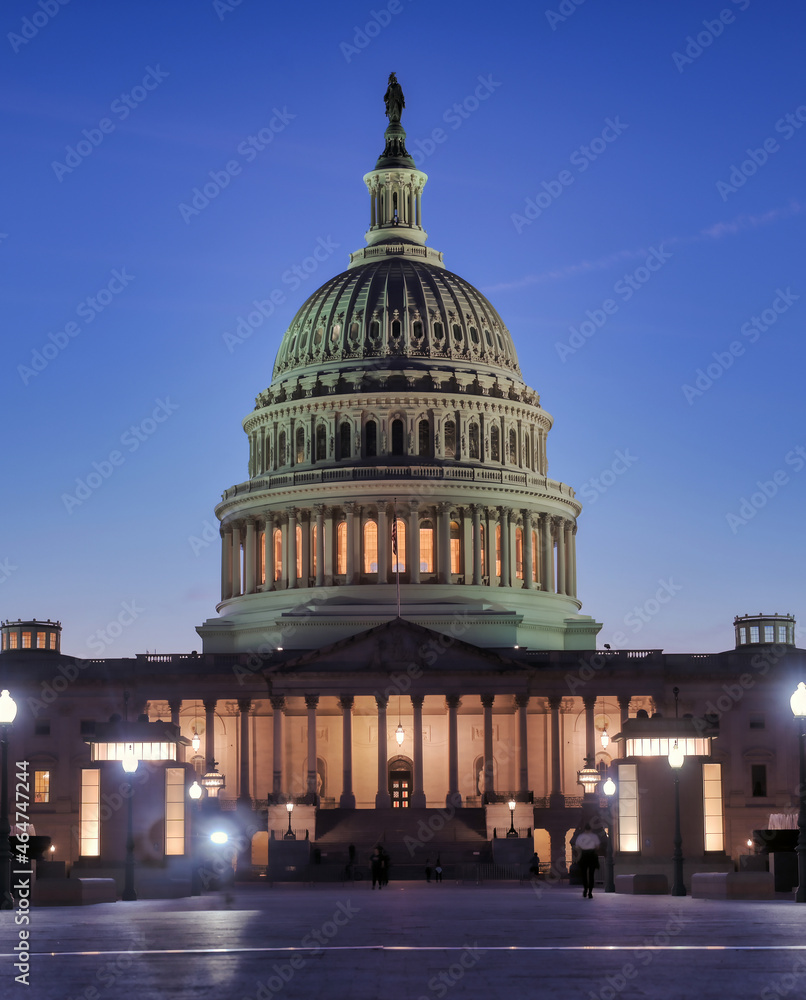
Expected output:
(374, 330)
(450, 439)
(300, 446)
(426, 547)
(474, 334)
(399, 545)
(483, 536)
(417, 329)
(526, 452)
(277, 541)
(370, 547)
(519, 553)
(534, 555)
(371, 439)
(317, 337)
(395, 329)
(513, 447)
(261, 556)
(457, 333)
(456, 548)
(397, 437)
(498, 550)
(298, 537)
(341, 548)
(345, 449)
(313, 550)
(321, 443)
(354, 331)
(439, 332)
(474, 441)
(424, 443)
(281, 449)
(495, 445)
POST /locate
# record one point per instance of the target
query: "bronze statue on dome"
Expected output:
(394, 100)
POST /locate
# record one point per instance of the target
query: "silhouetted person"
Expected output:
(587, 844)
(428, 869)
(376, 866)
(438, 870)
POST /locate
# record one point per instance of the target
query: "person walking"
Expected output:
(386, 864)
(376, 868)
(428, 869)
(587, 846)
(438, 869)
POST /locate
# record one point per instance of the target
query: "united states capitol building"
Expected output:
(399, 636)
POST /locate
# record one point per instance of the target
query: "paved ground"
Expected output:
(412, 940)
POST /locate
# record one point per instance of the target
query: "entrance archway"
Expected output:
(400, 775)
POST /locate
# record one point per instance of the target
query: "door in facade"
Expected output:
(400, 788)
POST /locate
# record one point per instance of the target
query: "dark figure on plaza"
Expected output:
(376, 867)
(534, 865)
(386, 864)
(587, 848)
(394, 100)
(428, 869)
(438, 869)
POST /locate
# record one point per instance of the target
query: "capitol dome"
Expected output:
(397, 462)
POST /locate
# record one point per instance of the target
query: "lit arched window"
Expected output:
(450, 439)
(498, 550)
(313, 550)
(513, 447)
(474, 441)
(298, 536)
(399, 545)
(424, 449)
(483, 536)
(278, 553)
(397, 437)
(495, 445)
(370, 547)
(534, 555)
(300, 446)
(519, 553)
(321, 443)
(371, 439)
(281, 449)
(426, 547)
(341, 548)
(261, 557)
(345, 449)
(456, 548)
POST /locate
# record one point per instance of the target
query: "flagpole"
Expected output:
(395, 550)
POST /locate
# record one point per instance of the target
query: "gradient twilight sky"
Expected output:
(216, 74)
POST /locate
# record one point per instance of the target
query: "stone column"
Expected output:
(383, 546)
(209, 732)
(453, 797)
(572, 561)
(624, 708)
(249, 556)
(236, 560)
(349, 509)
(311, 701)
(226, 562)
(528, 555)
(506, 566)
(291, 534)
(491, 560)
(522, 700)
(417, 792)
(382, 798)
(305, 555)
(589, 701)
(347, 800)
(175, 706)
(560, 527)
(319, 510)
(244, 796)
(414, 542)
(546, 555)
(268, 550)
(277, 704)
(444, 537)
(476, 512)
(330, 534)
(489, 764)
(556, 797)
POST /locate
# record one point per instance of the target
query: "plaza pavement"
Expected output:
(411, 940)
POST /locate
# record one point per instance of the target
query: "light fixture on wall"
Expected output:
(196, 739)
(400, 733)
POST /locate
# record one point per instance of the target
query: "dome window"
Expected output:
(282, 449)
(513, 447)
(439, 332)
(526, 453)
(456, 549)
(300, 446)
(450, 439)
(335, 333)
(396, 329)
(500, 342)
(474, 441)
(370, 547)
(417, 330)
(371, 439)
(354, 331)
(457, 333)
(474, 334)
(277, 543)
(317, 337)
(495, 445)
(374, 330)
(424, 443)
(488, 338)
(341, 548)
(397, 437)
(345, 451)
(321, 443)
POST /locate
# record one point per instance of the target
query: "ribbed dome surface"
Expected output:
(401, 310)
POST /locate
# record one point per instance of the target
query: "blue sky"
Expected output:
(623, 130)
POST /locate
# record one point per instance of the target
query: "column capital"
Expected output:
(174, 704)
(414, 506)
(453, 700)
(250, 520)
(244, 704)
(487, 700)
(521, 700)
(555, 701)
(225, 529)
(506, 512)
(349, 506)
(476, 509)
(277, 702)
(311, 700)
(292, 511)
(346, 702)
(209, 704)
(319, 509)
(589, 700)
(417, 700)
(624, 701)
(528, 518)
(492, 513)
(381, 700)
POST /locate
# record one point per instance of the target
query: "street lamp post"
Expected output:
(290, 835)
(129, 766)
(798, 705)
(195, 792)
(512, 832)
(676, 758)
(609, 788)
(8, 710)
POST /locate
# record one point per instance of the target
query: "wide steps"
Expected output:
(373, 826)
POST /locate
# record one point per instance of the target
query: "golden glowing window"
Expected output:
(12, 640)
(483, 537)
(313, 550)
(519, 553)
(26, 640)
(52, 638)
(456, 548)
(399, 546)
(712, 807)
(174, 810)
(628, 808)
(370, 547)
(298, 539)
(426, 547)
(498, 550)
(278, 554)
(341, 548)
(261, 557)
(41, 640)
(89, 818)
(41, 786)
